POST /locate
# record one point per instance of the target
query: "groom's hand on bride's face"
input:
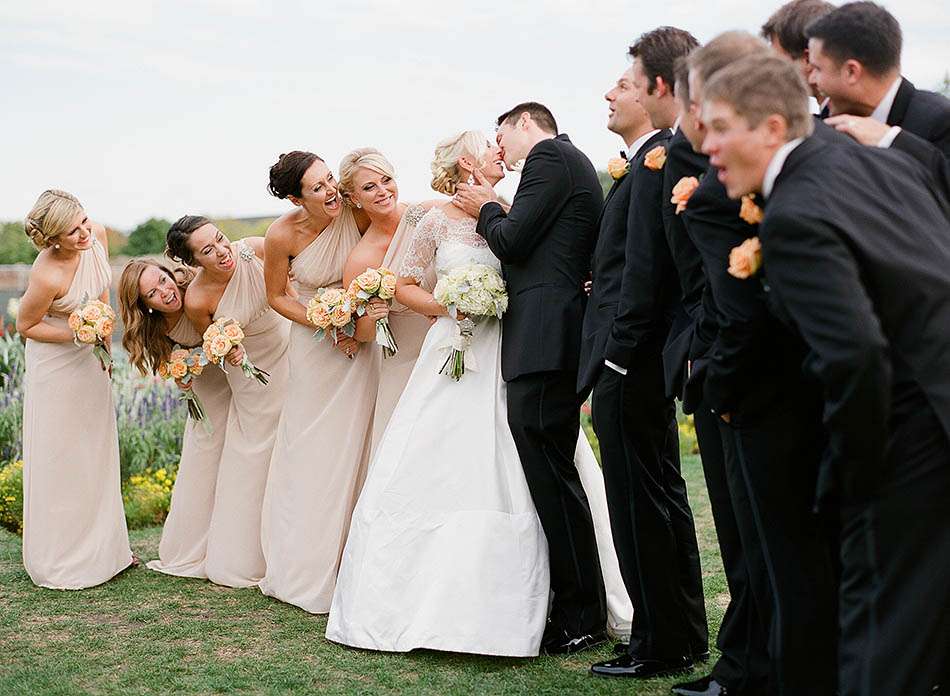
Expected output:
(471, 197)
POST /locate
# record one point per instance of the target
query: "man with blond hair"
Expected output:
(856, 263)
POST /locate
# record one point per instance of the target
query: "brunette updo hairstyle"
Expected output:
(176, 241)
(288, 170)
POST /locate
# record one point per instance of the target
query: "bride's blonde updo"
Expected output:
(52, 215)
(445, 165)
(362, 157)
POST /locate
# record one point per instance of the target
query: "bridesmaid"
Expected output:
(230, 284)
(322, 445)
(74, 532)
(368, 183)
(153, 314)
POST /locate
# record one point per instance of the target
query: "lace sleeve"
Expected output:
(425, 240)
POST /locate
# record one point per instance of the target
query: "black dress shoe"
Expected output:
(630, 666)
(707, 686)
(560, 643)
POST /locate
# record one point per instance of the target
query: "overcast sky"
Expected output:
(166, 108)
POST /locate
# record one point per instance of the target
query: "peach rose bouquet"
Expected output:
(376, 282)
(183, 365)
(220, 338)
(745, 260)
(331, 311)
(92, 323)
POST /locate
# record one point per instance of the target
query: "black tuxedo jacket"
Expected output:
(924, 118)
(620, 268)
(544, 244)
(859, 263)
(682, 161)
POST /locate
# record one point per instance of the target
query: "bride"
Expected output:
(445, 548)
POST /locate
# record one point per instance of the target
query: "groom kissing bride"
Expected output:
(473, 514)
(544, 243)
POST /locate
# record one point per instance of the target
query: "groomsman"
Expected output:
(635, 296)
(858, 263)
(742, 667)
(855, 57)
(544, 243)
(785, 32)
(753, 382)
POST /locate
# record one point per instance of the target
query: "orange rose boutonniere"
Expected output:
(745, 260)
(618, 168)
(750, 212)
(682, 191)
(655, 158)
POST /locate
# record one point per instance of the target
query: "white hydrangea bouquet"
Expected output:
(474, 290)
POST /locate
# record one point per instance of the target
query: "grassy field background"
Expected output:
(147, 633)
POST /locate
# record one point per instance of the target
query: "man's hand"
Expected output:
(865, 130)
(471, 198)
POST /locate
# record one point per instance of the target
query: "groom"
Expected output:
(544, 243)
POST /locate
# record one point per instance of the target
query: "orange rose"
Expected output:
(655, 158)
(105, 326)
(86, 334)
(750, 212)
(220, 346)
(318, 315)
(745, 260)
(211, 332)
(387, 287)
(177, 369)
(163, 370)
(91, 312)
(178, 354)
(332, 297)
(74, 321)
(206, 349)
(682, 191)
(340, 316)
(618, 167)
(234, 332)
(196, 368)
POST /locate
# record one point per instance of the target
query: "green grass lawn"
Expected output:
(149, 633)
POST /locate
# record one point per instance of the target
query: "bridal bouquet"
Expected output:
(91, 323)
(475, 290)
(331, 311)
(183, 366)
(220, 338)
(376, 282)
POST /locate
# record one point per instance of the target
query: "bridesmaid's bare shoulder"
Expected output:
(102, 235)
(256, 245)
(364, 255)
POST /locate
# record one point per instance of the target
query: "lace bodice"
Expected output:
(450, 243)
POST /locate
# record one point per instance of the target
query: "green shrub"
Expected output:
(147, 238)
(11, 496)
(15, 246)
(147, 497)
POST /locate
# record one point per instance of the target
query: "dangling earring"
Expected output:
(56, 246)
(359, 205)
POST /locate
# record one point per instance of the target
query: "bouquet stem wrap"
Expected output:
(454, 365)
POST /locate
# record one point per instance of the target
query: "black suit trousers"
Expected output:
(650, 517)
(895, 585)
(743, 664)
(779, 452)
(543, 414)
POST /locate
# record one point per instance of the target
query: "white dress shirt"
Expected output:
(883, 109)
(776, 164)
(814, 108)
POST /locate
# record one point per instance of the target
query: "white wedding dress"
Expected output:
(445, 549)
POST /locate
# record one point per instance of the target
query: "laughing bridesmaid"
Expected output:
(151, 299)
(323, 442)
(74, 532)
(229, 284)
(368, 181)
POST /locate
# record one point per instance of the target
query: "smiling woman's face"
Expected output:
(318, 190)
(376, 192)
(211, 249)
(78, 236)
(159, 291)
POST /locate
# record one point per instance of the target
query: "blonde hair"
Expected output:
(362, 157)
(144, 337)
(52, 215)
(759, 86)
(445, 165)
